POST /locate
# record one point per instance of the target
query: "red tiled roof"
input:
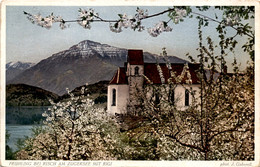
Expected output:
(150, 71)
(119, 77)
(135, 57)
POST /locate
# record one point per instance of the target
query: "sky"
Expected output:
(28, 42)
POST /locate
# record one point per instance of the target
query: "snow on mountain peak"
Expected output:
(88, 46)
(19, 65)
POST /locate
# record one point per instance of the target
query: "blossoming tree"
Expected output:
(74, 130)
(219, 123)
(214, 126)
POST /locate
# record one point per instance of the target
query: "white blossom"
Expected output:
(231, 20)
(159, 28)
(146, 78)
(179, 15)
(86, 17)
(159, 69)
(47, 21)
(141, 14)
(128, 21)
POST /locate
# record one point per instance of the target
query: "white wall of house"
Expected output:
(122, 95)
(179, 94)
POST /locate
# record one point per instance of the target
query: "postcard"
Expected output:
(130, 83)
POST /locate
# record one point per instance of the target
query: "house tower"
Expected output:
(134, 72)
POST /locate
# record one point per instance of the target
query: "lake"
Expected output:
(17, 132)
(24, 115)
(20, 120)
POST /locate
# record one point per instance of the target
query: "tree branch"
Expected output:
(185, 144)
(220, 23)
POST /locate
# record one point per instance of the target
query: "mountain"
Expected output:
(19, 65)
(15, 68)
(87, 61)
(26, 95)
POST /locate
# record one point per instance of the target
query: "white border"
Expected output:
(256, 3)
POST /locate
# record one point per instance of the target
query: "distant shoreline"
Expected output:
(25, 115)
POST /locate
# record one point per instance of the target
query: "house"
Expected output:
(137, 75)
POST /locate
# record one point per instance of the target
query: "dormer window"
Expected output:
(136, 70)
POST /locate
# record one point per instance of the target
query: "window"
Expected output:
(157, 99)
(187, 97)
(136, 70)
(171, 96)
(114, 97)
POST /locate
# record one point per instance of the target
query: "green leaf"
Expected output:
(116, 25)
